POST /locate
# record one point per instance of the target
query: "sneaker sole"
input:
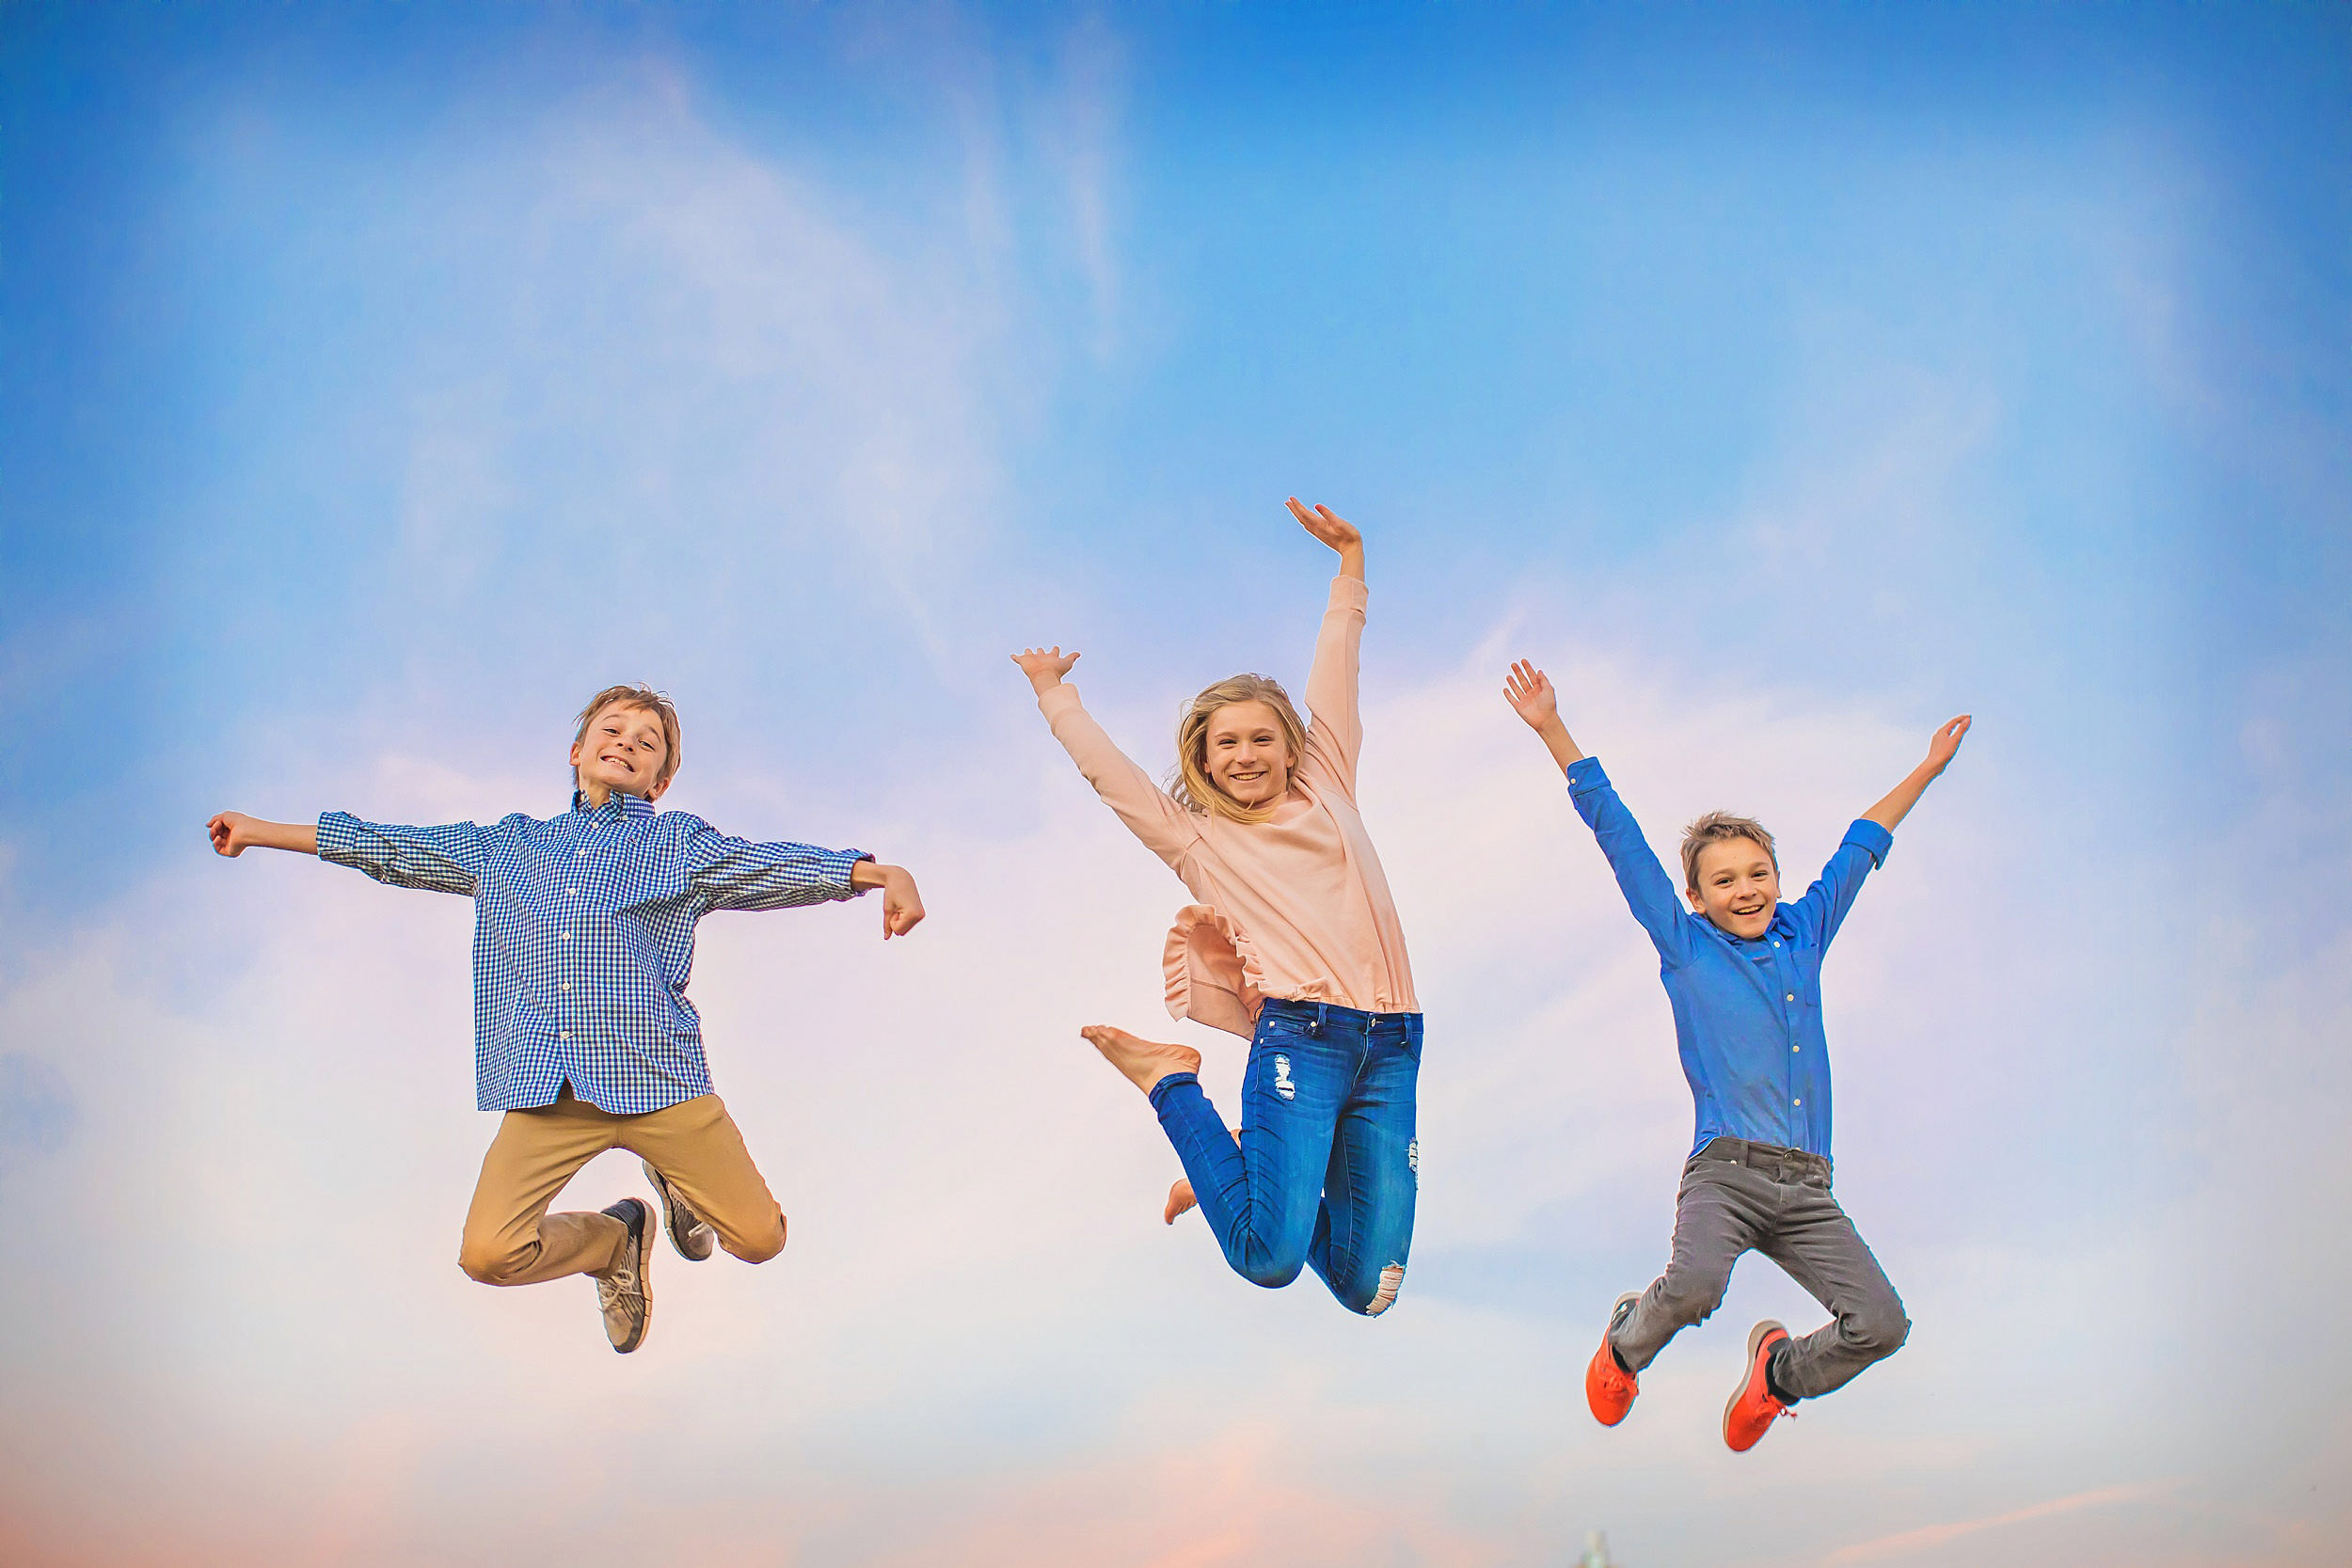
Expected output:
(672, 1207)
(1755, 1342)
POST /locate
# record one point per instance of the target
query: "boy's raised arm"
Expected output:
(1823, 908)
(1896, 805)
(1649, 893)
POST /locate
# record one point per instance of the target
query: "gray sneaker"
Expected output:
(688, 1232)
(623, 1294)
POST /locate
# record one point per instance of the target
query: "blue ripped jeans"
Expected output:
(1327, 1167)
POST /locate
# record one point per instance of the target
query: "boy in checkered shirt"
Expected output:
(584, 940)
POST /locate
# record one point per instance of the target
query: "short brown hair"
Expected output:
(1192, 786)
(643, 699)
(1714, 828)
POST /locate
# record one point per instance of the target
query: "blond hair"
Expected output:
(1715, 828)
(640, 699)
(1191, 786)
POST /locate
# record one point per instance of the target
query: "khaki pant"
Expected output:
(511, 1239)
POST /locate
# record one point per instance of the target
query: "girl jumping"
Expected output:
(1294, 944)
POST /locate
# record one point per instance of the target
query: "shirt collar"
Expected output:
(619, 803)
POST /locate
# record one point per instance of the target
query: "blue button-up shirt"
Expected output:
(585, 937)
(1747, 1014)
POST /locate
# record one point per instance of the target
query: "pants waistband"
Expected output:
(1331, 1012)
(1770, 1157)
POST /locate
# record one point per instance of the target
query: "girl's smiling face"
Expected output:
(1246, 756)
(623, 749)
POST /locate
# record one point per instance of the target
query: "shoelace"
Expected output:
(612, 1287)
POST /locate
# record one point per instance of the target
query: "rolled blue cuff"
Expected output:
(1585, 775)
(1168, 1085)
(1868, 836)
(338, 838)
(841, 863)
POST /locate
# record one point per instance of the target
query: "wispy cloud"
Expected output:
(1905, 1542)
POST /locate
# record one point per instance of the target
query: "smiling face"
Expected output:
(1739, 887)
(1245, 754)
(622, 748)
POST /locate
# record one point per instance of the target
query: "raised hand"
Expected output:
(1946, 743)
(1045, 667)
(1889, 812)
(1529, 691)
(1328, 526)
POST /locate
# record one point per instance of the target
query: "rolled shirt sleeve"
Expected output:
(728, 873)
(446, 859)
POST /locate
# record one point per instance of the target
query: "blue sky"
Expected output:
(375, 383)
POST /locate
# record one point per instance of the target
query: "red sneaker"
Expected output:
(1608, 1389)
(1753, 1408)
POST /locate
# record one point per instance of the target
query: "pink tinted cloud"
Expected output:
(1906, 1542)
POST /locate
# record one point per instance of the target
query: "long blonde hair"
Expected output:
(1191, 786)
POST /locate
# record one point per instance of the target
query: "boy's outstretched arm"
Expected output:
(1529, 691)
(1899, 801)
(233, 833)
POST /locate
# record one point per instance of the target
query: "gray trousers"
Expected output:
(1737, 1196)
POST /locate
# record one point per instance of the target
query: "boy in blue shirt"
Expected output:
(583, 940)
(1743, 971)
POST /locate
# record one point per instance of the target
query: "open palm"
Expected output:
(1327, 524)
(1529, 691)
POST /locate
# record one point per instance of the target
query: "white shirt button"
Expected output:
(566, 986)
(1775, 942)
(568, 936)
(564, 1035)
(580, 854)
(1792, 1048)
(1793, 996)
(1796, 1103)
(571, 893)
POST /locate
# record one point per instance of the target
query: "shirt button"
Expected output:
(1793, 996)
(1792, 1048)
(1796, 1103)
(571, 893)
(566, 986)
(580, 854)
(1775, 942)
(568, 936)
(564, 1035)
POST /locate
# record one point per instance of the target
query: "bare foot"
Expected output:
(1144, 1062)
(1180, 1196)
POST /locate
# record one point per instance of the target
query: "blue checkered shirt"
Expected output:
(585, 937)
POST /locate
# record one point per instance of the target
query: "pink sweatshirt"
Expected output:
(1292, 907)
